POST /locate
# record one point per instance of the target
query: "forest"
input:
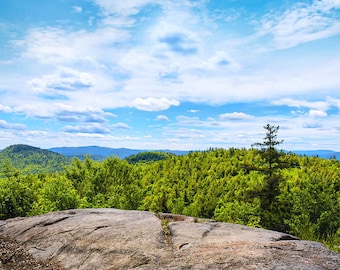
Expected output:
(260, 186)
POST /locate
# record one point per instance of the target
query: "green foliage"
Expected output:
(147, 157)
(239, 212)
(110, 183)
(16, 194)
(270, 165)
(232, 185)
(311, 200)
(32, 160)
(56, 193)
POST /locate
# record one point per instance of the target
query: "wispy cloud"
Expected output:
(235, 116)
(12, 126)
(301, 23)
(129, 8)
(302, 103)
(90, 128)
(162, 118)
(121, 126)
(6, 109)
(310, 108)
(51, 45)
(77, 9)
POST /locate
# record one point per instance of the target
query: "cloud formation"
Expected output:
(5, 125)
(154, 104)
(235, 116)
(62, 81)
(89, 128)
(102, 71)
(162, 118)
(303, 22)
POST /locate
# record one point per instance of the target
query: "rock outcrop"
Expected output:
(117, 239)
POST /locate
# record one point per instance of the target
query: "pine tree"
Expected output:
(268, 150)
(271, 166)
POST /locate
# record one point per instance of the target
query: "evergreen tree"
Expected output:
(268, 149)
(272, 163)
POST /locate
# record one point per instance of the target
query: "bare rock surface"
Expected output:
(118, 239)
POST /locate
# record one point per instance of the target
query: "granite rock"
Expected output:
(121, 239)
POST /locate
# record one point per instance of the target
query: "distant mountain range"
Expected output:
(99, 153)
(319, 153)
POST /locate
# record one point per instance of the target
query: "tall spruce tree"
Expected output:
(268, 150)
(271, 166)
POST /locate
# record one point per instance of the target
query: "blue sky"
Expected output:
(165, 74)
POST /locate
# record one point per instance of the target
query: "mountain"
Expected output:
(95, 152)
(99, 153)
(30, 159)
(318, 153)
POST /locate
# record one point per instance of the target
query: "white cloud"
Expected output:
(235, 116)
(5, 125)
(118, 22)
(133, 59)
(317, 105)
(193, 111)
(190, 121)
(225, 15)
(176, 54)
(175, 62)
(80, 114)
(122, 8)
(121, 126)
(51, 45)
(6, 109)
(185, 134)
(171, 9)
(314, 109)
(64, 112)
(90, 128)
(162, 118)
(317, 113)
(302, 23)
(47, 45)
(154, 104)
(63, 80)
(327, 5)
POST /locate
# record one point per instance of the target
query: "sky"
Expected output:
(167, 74)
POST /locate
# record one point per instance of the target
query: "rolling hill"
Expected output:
(99, 153)
(30, 159)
